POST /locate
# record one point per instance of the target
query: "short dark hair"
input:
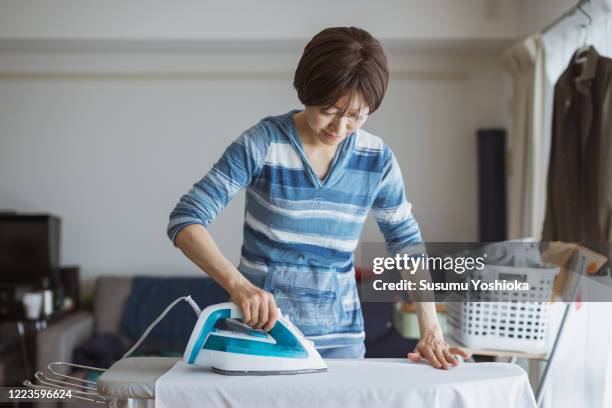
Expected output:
(339, 61)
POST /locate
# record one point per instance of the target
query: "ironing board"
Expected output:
(370, 382)
(134, 377)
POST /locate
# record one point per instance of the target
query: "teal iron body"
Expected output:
(242, 350)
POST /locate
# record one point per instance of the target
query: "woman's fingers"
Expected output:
(272, 313)
(430, 356)
(258, 306)
(461, 352)
(439, 352)
(414, 356)
(449, 357)
(259, 310)
(254, 313)
(439, 358)
(263, 315)
(246, 311)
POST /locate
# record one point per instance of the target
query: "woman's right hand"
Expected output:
(258, 306)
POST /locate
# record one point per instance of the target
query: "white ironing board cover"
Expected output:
(352, 383)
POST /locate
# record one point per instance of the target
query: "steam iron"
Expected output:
(242, 350)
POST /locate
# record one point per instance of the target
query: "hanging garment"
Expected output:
(525, 61)
(579, 195)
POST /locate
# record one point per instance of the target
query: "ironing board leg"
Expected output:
(544, 378)
(135, 403)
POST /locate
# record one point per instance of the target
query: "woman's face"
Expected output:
(331, 128)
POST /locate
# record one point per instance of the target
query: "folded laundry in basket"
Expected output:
(513, 253)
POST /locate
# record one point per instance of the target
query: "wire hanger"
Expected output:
(569, 13)
(587, 15)
(581, 57)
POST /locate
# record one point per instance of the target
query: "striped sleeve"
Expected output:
(233, 172)
(392, 211)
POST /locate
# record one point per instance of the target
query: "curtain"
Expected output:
(529, 151)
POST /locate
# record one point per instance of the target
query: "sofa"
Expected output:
(59, 341)
(115, 311)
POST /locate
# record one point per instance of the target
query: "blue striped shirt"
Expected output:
(300, 232)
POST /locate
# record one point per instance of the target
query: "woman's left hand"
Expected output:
(436, 351)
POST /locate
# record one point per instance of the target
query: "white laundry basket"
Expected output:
(514, 321)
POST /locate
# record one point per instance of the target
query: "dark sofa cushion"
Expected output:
(148, 299)
(100, 351)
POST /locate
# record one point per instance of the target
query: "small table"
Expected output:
(511, 356)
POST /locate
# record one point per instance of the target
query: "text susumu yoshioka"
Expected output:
(472, 284)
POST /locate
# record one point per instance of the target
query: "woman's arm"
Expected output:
(257, 305)
(431, 346)
(402, 234)
(233, 172)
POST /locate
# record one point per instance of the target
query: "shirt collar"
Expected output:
(586, 71)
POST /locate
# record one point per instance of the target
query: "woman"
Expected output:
(311, 176)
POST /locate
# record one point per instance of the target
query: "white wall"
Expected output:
(112, 152)
(241, 19)
(534, 15)
(110, 111)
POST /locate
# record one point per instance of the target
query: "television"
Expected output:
(29, 249)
